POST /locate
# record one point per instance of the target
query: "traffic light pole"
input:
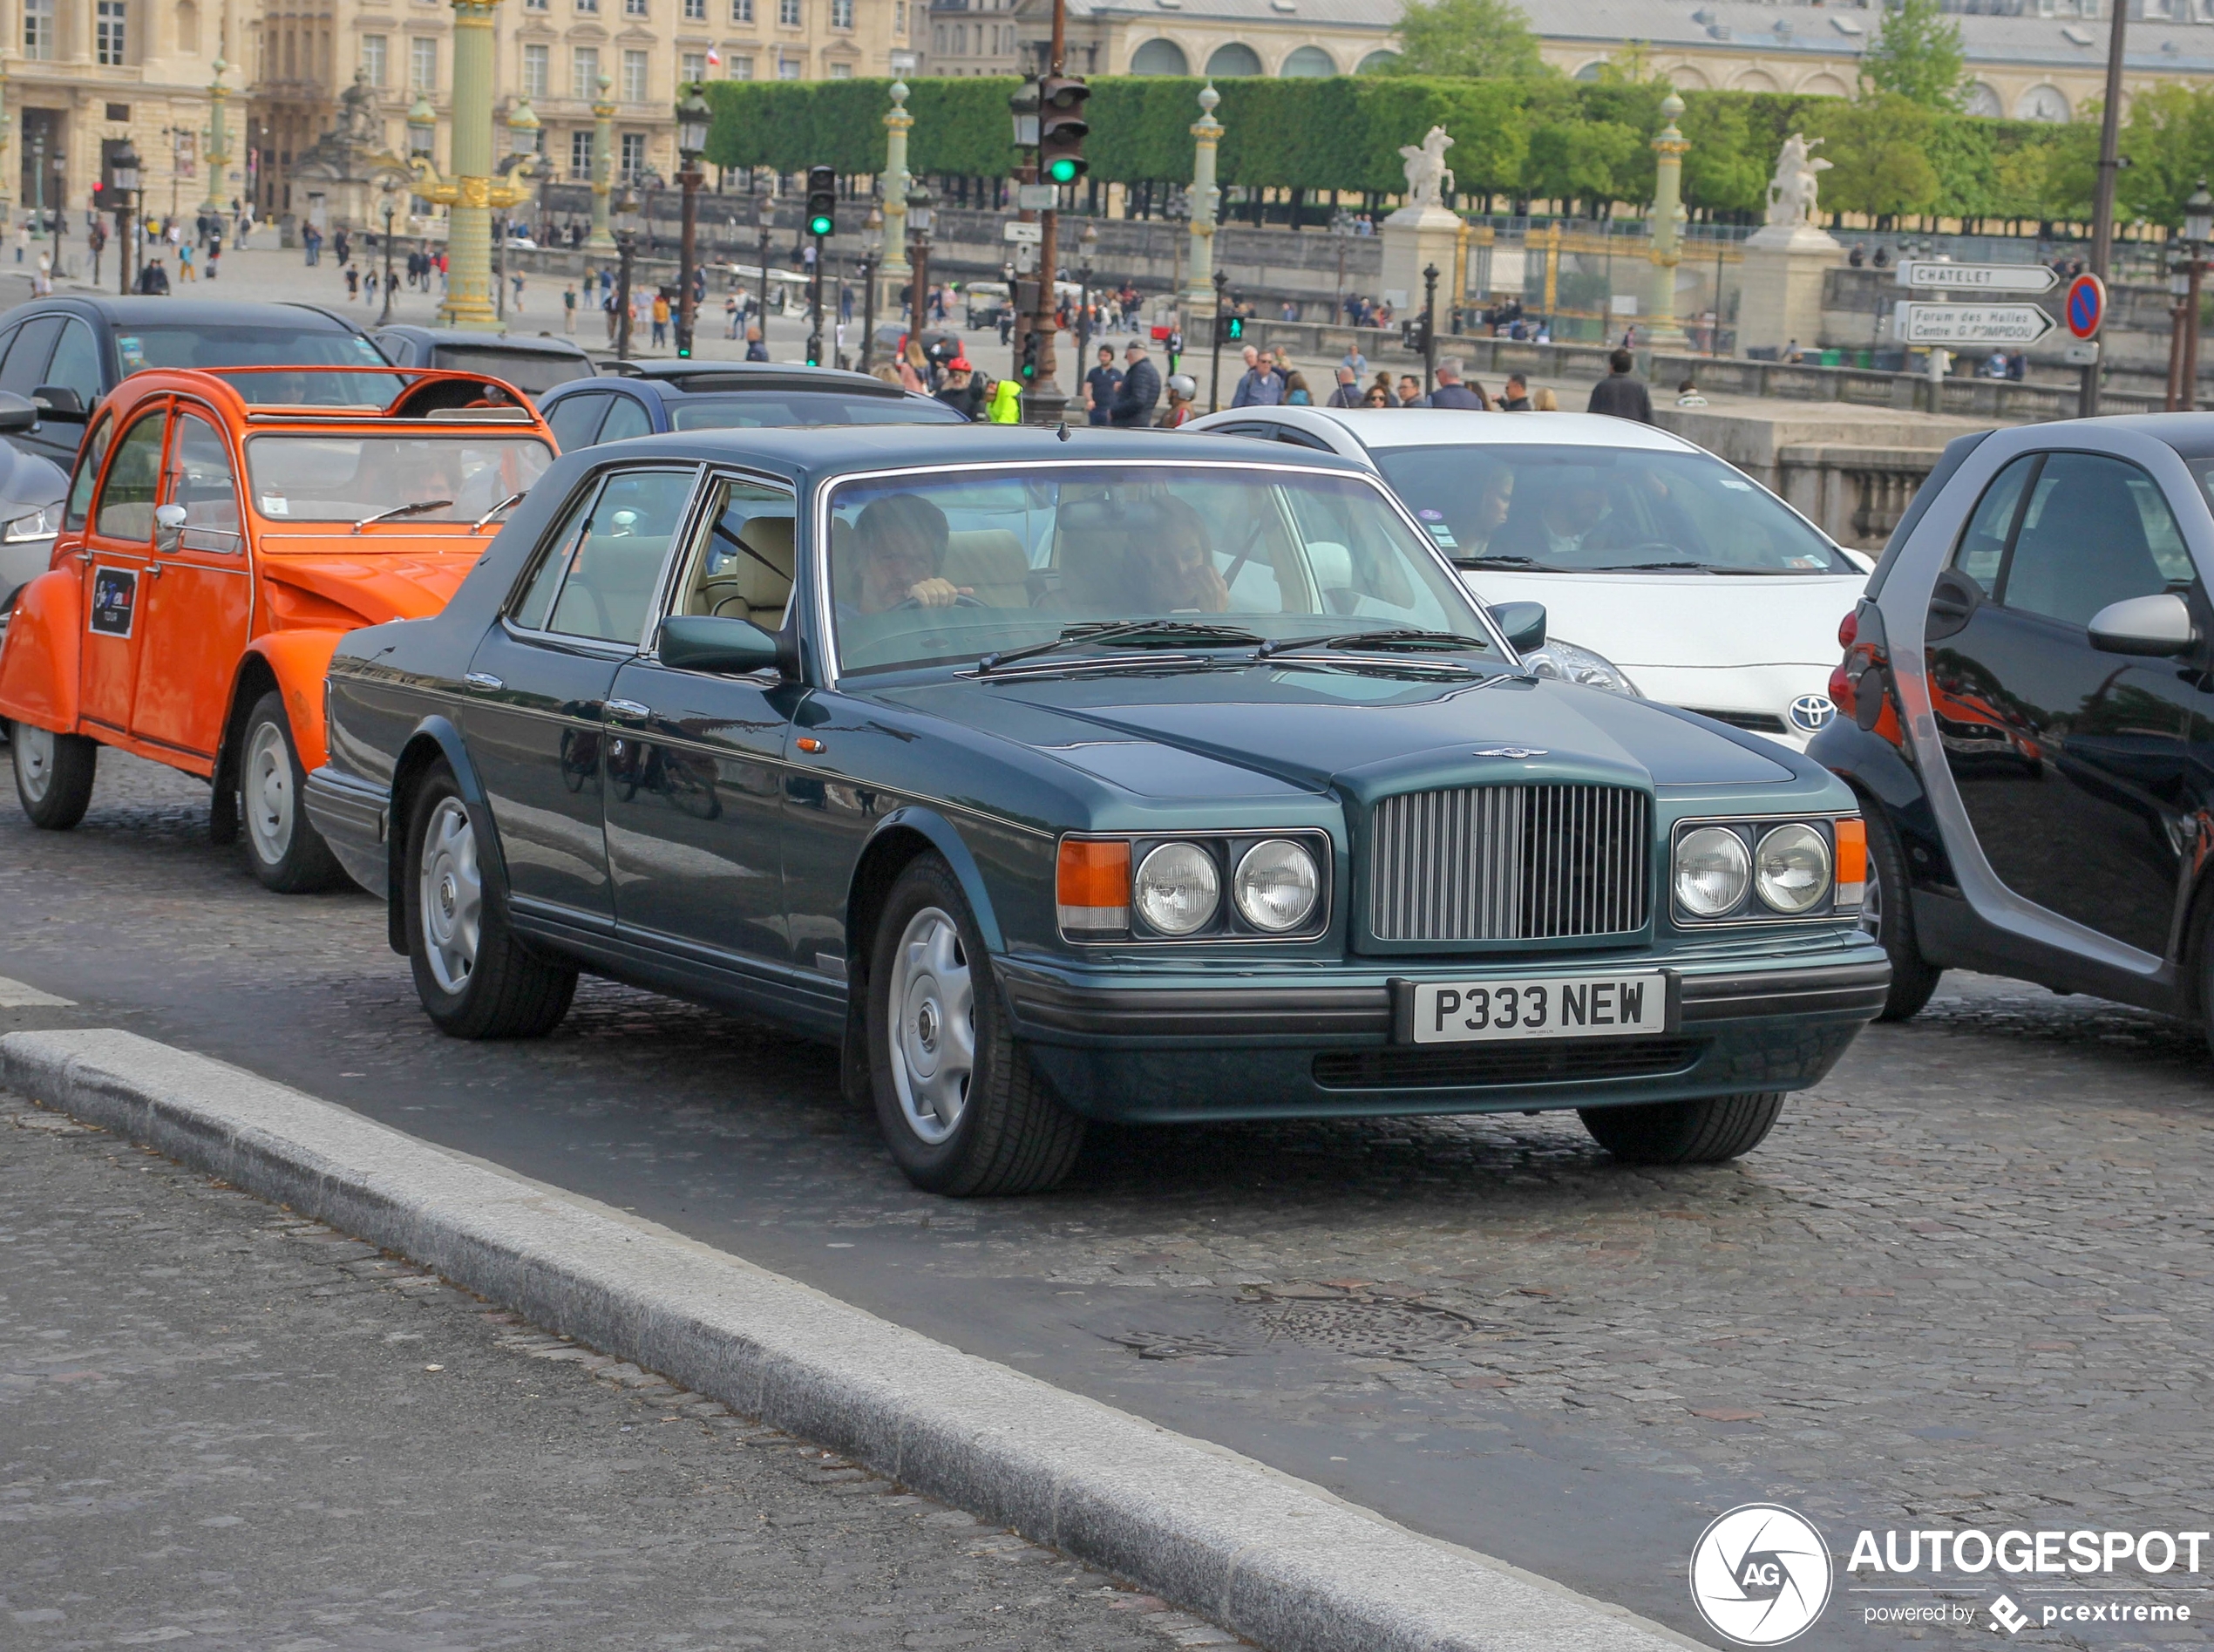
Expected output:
(688, 261)
(1045, 398)
(1429, 326)
(1214, 386)
(815, 310)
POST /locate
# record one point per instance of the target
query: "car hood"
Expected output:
(1687, 619)
(1263, 729)
(389, 584)
(27, 481)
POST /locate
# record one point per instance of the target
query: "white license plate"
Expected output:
(1546, 1007)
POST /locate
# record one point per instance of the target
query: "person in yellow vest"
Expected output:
(1006, 406)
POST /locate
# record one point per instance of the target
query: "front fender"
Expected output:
(39, 664)
(435, 737)
(949, 842)
(298, 661)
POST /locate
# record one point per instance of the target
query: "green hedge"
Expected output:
(1547, 140)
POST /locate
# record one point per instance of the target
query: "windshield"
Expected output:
(346, 479)
(928, 571)
(164, 345)
(532, 371)
(751, 410)
(1565, 509)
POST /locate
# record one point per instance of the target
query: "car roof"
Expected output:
(1380, 428)
(521, 344)
(220, 388)
(815, 451)
(750, 375)
(186, 312)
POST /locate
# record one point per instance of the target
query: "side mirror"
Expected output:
(2158, 626)
(1524, 622)
(168, 526)
(704, 642)
(16, 413)
(59, 401)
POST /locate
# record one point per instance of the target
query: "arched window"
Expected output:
(1159, 58)
(1376, 63)
(2042, 103)
(1590, 71)
(1982, 100)
(1308, 63)
(1233, 60)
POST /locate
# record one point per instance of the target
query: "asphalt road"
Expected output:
(1965, 1282)
(223, 1424)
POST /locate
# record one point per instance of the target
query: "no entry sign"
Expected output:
(2086, 307)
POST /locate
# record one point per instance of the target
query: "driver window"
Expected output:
(742, 566)
(2096, 531)
(201, 479)
(601, 571)
(88, 472)
(126, 498)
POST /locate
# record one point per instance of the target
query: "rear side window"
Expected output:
(600, 572)
(626, 418)
(127, 496)
(77, 363)
(88, 472)
(1983, 546)
(575, 419)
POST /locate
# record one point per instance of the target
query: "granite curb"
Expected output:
(1259, 1552)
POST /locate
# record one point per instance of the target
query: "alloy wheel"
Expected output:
(34, 759)
(933, 1042)
(450, 889)
(268, 793)
(1872, 909)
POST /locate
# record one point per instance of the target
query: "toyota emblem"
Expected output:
(1810, 713)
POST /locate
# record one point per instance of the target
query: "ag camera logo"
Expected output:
(1761, 1574)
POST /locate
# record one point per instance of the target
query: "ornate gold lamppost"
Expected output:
(1661, 331)
(219, 141)
(603, 166)
(472, 194)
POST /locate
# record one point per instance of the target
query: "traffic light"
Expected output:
(1061, 128)
(1230, 329)
(1412, 335)
(822, 200)
(1027, 369)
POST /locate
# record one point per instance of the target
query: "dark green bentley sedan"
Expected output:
(1090, 776)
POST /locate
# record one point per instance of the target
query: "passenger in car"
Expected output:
(1174, 567)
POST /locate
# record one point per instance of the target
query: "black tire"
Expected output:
(1887, 914)
(1684, 1132)
(1010, 1133)
(54, 775)
(282, 846)
(503, 990)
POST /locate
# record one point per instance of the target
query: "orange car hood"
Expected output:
(380, 585)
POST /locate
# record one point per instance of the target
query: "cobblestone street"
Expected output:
(1965, 1282)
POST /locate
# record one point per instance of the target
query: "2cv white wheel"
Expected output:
(54, 774)
(287, 853)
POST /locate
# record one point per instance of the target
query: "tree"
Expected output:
(1725, 169)
(1485, 39)
(1880, 152)
(1918, 56)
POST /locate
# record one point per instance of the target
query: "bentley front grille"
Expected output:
(1510, 863)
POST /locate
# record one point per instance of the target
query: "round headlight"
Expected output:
(1712, 870)
(1277, 886)
(1177, 888)
(1791, 867)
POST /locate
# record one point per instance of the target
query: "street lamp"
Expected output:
(872, 255)
(387, 196)
(2198, 230)
(625, 208)
(1342, 230)
(920, 216)
(693, 120)
(124, 168)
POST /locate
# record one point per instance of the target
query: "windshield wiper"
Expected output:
(1497, 561)
(1121, 631)
(416, 509)
(513, 498)
(1392, 640)
(1647, 568)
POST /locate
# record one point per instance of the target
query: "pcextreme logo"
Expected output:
(1761, 1574)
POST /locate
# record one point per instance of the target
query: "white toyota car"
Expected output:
(1664, 571)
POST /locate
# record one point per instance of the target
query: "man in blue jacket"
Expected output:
(1141, 389)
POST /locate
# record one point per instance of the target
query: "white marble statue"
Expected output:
(1428, 176)
(1791, 192)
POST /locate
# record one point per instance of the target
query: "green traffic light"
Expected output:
(818, 226)
(1063, 171)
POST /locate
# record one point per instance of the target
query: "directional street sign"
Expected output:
(1014, 231)
(1928, 275)
(1949, 324)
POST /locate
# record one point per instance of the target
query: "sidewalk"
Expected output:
(220, 1422)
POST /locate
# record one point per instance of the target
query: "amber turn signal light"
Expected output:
(1091, 887)
(1852, 860)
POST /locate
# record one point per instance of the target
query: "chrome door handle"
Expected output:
(483, 680)
(630, 709)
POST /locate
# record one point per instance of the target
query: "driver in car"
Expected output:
(1476, 522)
(901, 542)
